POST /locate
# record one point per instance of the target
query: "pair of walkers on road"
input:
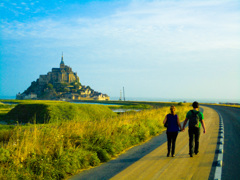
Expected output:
(195, 119)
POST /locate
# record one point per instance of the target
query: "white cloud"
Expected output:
(146, 37)
(179, 26)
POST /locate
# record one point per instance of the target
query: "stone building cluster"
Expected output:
(59, 75)
(61, 83)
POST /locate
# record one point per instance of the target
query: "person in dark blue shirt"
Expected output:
(173, 127)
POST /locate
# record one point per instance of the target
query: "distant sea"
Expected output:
(178, 100)
(161, 99)
(7, 97)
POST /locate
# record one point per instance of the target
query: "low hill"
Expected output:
(58, 112)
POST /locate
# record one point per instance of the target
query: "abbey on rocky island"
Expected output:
(60, 84)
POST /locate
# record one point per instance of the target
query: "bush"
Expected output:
(102, 154)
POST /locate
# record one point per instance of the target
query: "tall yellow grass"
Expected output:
(59, 150)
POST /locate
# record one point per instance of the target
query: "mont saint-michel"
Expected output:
(60, 83)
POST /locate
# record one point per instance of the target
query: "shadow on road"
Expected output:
(113, 167)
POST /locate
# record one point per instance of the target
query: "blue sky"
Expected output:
(155, 49)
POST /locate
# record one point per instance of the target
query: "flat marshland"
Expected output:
(65, 138)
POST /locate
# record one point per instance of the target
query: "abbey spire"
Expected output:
(62, 62)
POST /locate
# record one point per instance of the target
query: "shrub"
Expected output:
(180, 104)
(102, 154)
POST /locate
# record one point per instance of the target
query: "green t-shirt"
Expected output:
(189, 114)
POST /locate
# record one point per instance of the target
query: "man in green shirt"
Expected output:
(195, 119)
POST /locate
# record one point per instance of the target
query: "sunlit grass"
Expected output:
(228, 105)
(61, 149)
(45, 112)
(4, 109)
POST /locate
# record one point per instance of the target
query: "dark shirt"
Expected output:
(172, 123)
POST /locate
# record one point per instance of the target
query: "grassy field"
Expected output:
(63, 148)
(4, 109)
(45, 112)
(228, 105)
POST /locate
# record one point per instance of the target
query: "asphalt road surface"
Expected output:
(231, 155)
(149, 161)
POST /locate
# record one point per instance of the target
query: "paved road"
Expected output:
(231, 155)
(156, 165)
(149, 160)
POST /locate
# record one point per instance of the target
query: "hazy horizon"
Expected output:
(159, 99)
(155, 49)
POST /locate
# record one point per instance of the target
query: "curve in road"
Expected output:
(231, 159)
(149, 160)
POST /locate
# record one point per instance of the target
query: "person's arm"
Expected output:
(179, 125)
(204, 127)
(164, 121)
(184, 124)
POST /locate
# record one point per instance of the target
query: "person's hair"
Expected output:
(195, 104)
(172, 109)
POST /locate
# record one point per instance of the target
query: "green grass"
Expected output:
(59, 150)
(134, 106)
(228, 105)
(6, 127)
(4, 109)
(45, 112)
(29, 101)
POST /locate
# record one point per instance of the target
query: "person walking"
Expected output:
(195, 119)
(173, 127)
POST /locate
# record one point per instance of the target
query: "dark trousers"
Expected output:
(194, 134)
(171, 137)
